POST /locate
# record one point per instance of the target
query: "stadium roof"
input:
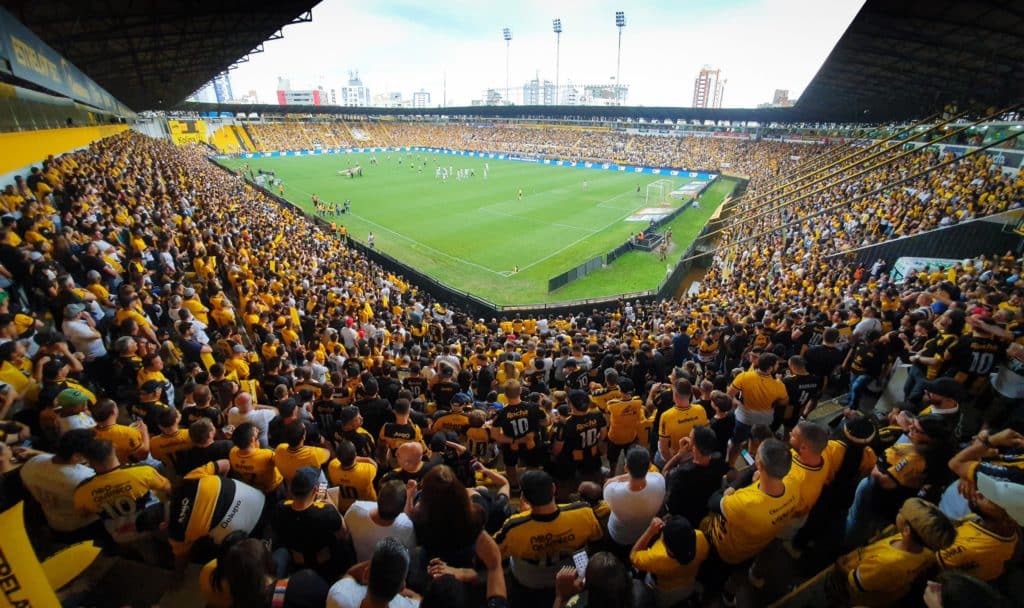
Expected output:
(898, 59)
(152, 54)
(908, 58)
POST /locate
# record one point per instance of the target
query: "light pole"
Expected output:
(620, 22)
(506, 33)
(557, 25)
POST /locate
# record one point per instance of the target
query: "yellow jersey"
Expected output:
(127, 440)
(880, 574)
(256, 468)
(538, 544)
(165, 447)
(667, 572)
(625, 418)
(979, 551)
(677, 423)
(810, 481)
(289, 460)
(760, 391)
(354, 483)
(750, 520)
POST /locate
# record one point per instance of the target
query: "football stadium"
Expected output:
(334, 305)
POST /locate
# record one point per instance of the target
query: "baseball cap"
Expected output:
(71, 397)
(1007, 493)
(238, 348)
(74, 309)
(570, 362)
(304, 481)
(944, 387)
(189, 292)
(680, 539)
(460, 399)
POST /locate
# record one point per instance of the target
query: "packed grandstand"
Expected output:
(241, 407)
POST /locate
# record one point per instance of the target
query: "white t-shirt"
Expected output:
(84, 339)
(632, 511)
(347, 593)
(53, 486)
(260, 418)
(366, 533)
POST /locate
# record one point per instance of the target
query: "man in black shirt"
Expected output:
(697, 476)
(803, 389)
(204, 449)
(518, 427)
(446, 386)
(823, 359)
(581, 440)
(307, 530)
(375, 411)
(349, 426)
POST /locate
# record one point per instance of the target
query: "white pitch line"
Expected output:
(574, 243)
(417, 243)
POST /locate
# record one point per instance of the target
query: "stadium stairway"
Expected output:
(250, 137)
(241, 133)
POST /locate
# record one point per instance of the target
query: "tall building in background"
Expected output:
(708, 88)
(222, 88)
(287, 96)
(421, 99)
(539, 93)
(354, 94)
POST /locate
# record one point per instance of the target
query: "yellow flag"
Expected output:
(26, 581)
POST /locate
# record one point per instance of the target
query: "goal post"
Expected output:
(658, 192)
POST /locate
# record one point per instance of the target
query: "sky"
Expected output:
(456, 47)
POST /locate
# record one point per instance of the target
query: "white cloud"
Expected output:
(760, 45)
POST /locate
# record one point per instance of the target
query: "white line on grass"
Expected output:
(414, 242)
(578, 241)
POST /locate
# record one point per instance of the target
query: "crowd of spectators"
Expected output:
(755, 159)
(208, 377)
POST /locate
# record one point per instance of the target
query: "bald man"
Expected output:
(411, 466)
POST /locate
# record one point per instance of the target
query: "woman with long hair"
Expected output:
(452, 539)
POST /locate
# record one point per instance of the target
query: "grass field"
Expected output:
(470, 234)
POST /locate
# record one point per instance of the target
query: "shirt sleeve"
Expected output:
(643, 560)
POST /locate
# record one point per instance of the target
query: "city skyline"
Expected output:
(762, 45)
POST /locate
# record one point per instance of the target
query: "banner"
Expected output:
(33, 60)
(187, 131)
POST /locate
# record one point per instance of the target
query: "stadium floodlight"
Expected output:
(506, 33)
(620, 22)
(557, 26)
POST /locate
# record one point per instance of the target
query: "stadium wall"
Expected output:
(25, 148)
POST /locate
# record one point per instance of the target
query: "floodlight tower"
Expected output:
(506, 33)
(557, 26)
(620, 22)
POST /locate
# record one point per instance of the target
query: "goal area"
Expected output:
(658, 192)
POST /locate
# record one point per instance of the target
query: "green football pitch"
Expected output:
(471, 234)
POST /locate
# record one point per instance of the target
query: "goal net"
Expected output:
(658, 192)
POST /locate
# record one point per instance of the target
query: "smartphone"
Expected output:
(747, 457)
(321, 492)
(580, 560)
